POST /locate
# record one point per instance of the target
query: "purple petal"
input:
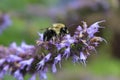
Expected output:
(13, 58)
(67, 36)
(96, 24)
(33, 77)
(25, 46)
(6, 68)
(83, 58)
(26, 63)
(58, 58)
(41, 64)
(13, 45)
(2, 61)
(67, 52)
(41, 36)
(79, 28)
(47, 57)
(20, 50)
(94, 28)
(18, 75)
(43, 74)
(7, 19)
(54, 69)
(92, 48)
(61, 45)
(75, 58)
(4, 71)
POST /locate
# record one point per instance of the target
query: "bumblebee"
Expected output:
(57, 29)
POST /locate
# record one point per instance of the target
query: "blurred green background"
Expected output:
(29, 16)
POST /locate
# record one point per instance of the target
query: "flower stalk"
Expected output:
(30, 59)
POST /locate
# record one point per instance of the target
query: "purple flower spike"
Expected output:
(24, 59)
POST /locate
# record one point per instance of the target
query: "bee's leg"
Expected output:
(54, 37)
(63, 31)
(46, 36)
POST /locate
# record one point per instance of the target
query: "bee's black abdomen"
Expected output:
(49, 34)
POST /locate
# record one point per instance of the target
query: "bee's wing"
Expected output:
(43, 29)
